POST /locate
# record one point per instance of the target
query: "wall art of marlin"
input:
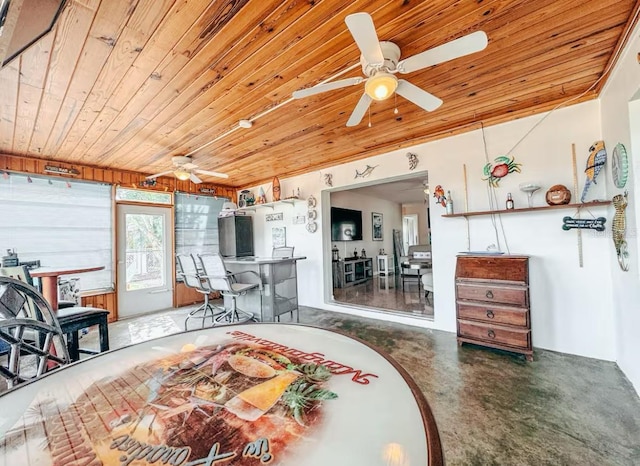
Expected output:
(367, 171)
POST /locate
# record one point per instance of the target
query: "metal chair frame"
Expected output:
(219, 279)
(192, 278)
(30, 328)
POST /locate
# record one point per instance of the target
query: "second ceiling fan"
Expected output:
(381, 61)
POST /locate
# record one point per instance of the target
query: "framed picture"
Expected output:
(376, 226)
(278, 237)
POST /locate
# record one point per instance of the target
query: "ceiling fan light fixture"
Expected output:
(381, 86)
(182, 174)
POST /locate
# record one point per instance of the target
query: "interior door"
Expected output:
(145, 267)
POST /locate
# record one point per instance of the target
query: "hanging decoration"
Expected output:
(619, 229)
(276, 189)
(438, 193)
(619, 166)
(328, 179)
(584, 223)
(366, 172)
(596, 160)
(500, 168)
(413, 160)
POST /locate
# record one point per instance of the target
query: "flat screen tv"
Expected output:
(346, 224)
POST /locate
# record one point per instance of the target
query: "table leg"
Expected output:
(50, 291)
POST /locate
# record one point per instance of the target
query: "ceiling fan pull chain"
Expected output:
(395, 103)
(369, 117)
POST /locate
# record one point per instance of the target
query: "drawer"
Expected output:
(517, 338)
(493, 314)
(493, 268)
(516, 295)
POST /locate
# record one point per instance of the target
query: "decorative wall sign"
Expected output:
(366, 172)
(596, 160)
(207, 190)
(413, 160)
(273, 217)
(619, 166)
(438, 193)
(148, 183)
(619, 230)
(584, 223)
(500, 168)
(279, 237)
(376, 226)
(299, 219)
(60, 170)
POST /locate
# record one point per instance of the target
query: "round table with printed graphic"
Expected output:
(248, 394)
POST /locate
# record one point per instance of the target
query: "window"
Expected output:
(196, 220)
(61, 223)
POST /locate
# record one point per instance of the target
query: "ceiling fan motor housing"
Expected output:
(180, 160)
(391, 54)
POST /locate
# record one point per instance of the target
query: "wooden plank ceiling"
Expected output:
(126, 84)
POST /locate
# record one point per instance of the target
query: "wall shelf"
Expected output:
(272, 205)
(531, 209)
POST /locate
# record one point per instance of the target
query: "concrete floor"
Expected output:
(492, 408)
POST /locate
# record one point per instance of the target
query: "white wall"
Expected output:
(622, 89)
(571, 306)
(391, 218)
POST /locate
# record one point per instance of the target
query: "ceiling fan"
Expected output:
(381, 61)
(185, 169)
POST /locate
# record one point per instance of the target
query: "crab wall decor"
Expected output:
(500, 168)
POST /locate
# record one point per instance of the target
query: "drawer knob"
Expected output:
(491, 334)
(489, 294)
(490, 314)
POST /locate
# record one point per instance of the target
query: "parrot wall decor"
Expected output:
(596, 160)
(438, 193)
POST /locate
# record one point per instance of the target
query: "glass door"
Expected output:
(144, 267)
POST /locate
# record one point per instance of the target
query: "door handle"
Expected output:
(490, 314)
(489, 294)
(159, 291)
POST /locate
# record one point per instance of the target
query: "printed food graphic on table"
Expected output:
(238, 403)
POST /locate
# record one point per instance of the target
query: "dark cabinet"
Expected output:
(236, 235)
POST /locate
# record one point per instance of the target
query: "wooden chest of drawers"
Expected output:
(492, 302)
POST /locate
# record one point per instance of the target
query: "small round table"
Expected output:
(49, 279)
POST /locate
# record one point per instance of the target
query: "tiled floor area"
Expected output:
(386, 293)
(492, 408)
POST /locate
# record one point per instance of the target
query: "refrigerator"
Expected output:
(236, 235)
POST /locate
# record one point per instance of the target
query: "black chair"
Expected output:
(32, 340)
(72, 319)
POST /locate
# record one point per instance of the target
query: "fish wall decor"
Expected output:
(366, 172)
(619, 230)
(596, 160)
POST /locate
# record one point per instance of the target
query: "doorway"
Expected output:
(409, 230)
(145, 268)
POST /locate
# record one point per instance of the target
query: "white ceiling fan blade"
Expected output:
(193, 177)
(364, 33)
(360, 110)
(418, 96)
(465, 45)
(150, 177)
(326, 87)
(217, 174)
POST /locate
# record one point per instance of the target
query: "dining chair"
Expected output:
(72, 319)
(219, 279)
(191, 277)
(32, 338)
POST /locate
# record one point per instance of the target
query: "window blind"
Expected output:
(61, 223)
(196, 223)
